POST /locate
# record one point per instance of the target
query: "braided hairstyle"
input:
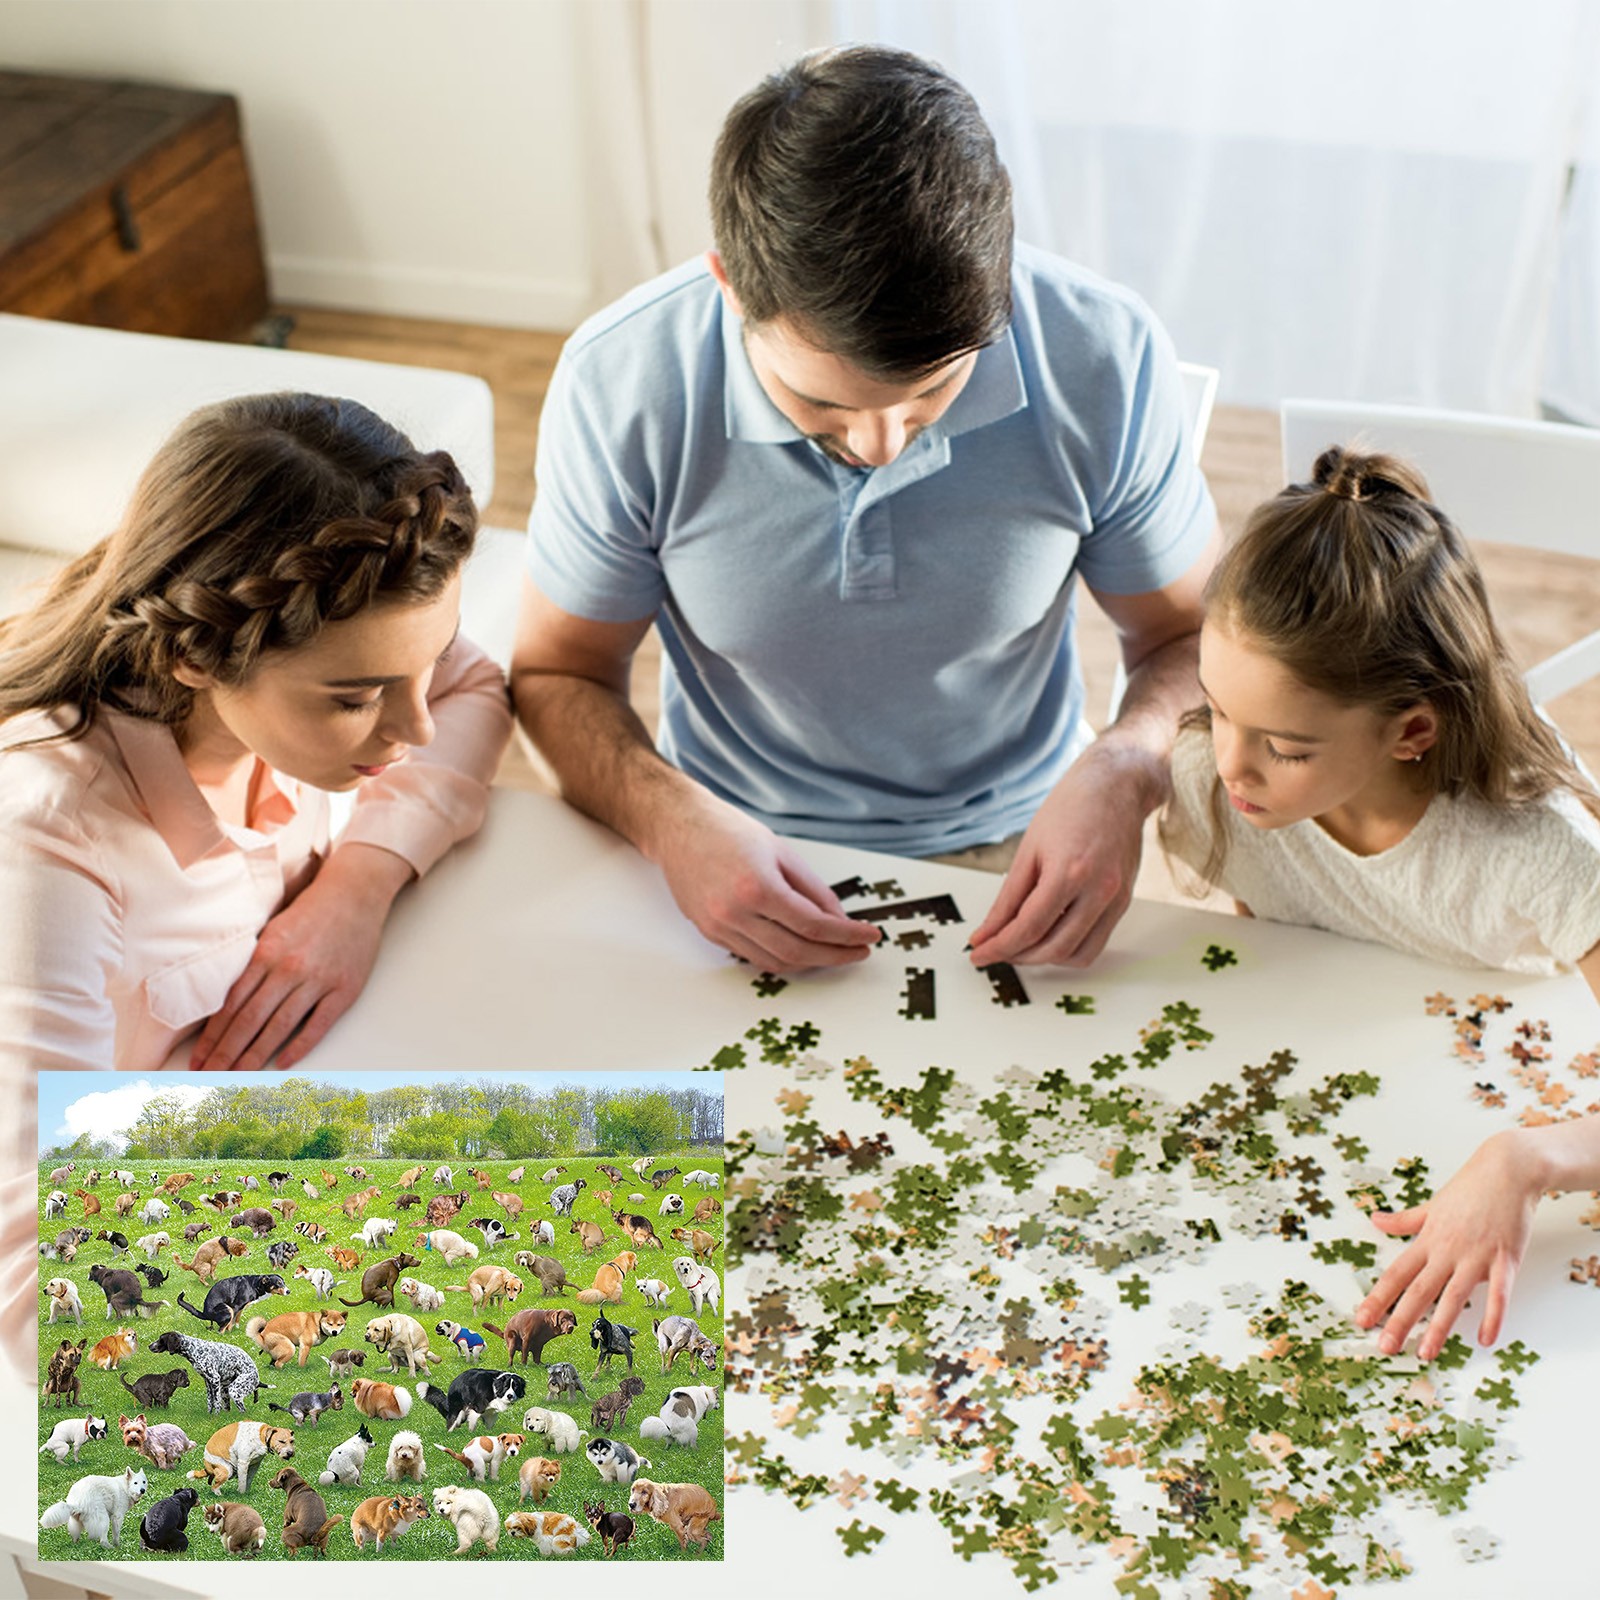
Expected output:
(1366, 592)
(260, 521)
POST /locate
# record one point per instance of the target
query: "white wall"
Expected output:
(410, 156)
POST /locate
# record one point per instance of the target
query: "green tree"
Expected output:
(326, 1144)
(430, 1137)
(639, 1122)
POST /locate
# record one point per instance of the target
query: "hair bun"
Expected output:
(1350, 475)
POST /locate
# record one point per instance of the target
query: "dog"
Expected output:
(559, 1432)
(385, 1402)
(590, 1235)
(443, 1177)
(161, 1443)
(703, 1244)
(671, 1205)
(610, 1411)
(286, 1208)
(544, 1231)
(493, 1231)
(342, 1364)
(654, 1290)
(155, 1211)
(378, 1281)
(210, 1255)
(615, 1174)
(685, 1508)
(611, 1339)
(485, 1454)
(195, 1230)
(551, 1274)
(554, 1532)
(344, 1260)
(528, 1332)
(615, 1530)
(64, 1301)
(113, 1348)
(312, 1192)
(96, 1507)
(314, 1231)
(358, 1202)
(551, 1174)
(423, 1296)
(563, 1199)
(281, 1253)
(511, 1204)
(444, 1208)
(404, 1202)
(319, 1278)
(473, 1514)
(117, 1241)
(449, 1245)
(709, 1207)
(614, 1461)
(478, 1392)
(153, 1243)
(91, 1202)
(662, 1176)
(307, 1407)
(229, 1375)
(238, 1526)
(410, 1176)
(257, 1219)
(306, 1523)
(385, 1517)
(470, 1345)
(233, 1450)
(606, 1290)
(61, 1376)
(294, 1332)
(276, 1181)
(562, 1379)
(156, 1388)
(537, 1476)
(229, 1298)
(676, 1336)
(405, 1459)
(488, 1284)
(702, 1283)
(402, 1338)
(71, 1434)
(163, 1526)
(124, 1293)
(701, 1179)
(374, 1230)
(154, 1276)
(673, 1426)
(347, 1459)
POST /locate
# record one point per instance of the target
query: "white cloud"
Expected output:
(109, 1113)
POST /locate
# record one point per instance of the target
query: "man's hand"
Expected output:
(749, 892)
(310, 963)
(1074, 871)
(1474, 1230)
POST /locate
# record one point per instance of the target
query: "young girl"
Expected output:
(1374, 767)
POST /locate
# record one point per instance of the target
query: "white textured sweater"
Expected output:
(1472, 884)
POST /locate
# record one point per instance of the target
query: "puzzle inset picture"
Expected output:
(381, 1318)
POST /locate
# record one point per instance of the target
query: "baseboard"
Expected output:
(501, 299)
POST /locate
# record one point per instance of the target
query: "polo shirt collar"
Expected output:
(994, 390)
(177, 810)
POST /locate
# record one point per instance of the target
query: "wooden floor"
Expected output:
(1542, 602)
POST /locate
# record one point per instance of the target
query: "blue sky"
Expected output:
(103, 1103)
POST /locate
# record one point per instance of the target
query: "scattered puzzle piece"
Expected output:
(1217, 957)
(1076, 1005)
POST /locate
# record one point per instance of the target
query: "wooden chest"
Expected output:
(126, 205)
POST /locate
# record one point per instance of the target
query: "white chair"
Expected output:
(1530, 484)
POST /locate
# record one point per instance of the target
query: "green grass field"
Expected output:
(104, 1396)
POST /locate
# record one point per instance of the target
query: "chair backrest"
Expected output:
(1199, 396)
(1531, 484)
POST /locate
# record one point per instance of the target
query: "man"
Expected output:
(851, 464)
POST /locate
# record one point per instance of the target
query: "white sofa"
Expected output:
(82, 410)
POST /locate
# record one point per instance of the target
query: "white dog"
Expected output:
(702, 1283)
(653, 1289)
(615, 1461)
(406, 1459)
(63, 1294)
(706, 1180)
(423, 1296)
(155, 1211)
(55, 1204)
(473, 1514)
(374, 1229)
(671, 1205)
(97, 1506)
(72, 1435)
(450, 1245)
(545, 1233)
(404, 1340)
(558, 1430)
(552, 1175)
(153, 1243)
(670, 1428)
(345, 1461)
(485, 1454)
(444, 1177)
(319, 1278)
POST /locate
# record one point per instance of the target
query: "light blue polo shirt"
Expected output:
(885, 656)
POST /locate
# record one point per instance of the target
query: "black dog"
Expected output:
(162, 1526)
(277, 1180)
(156, 1388)
(229, 1297)
(473, 1394)
(187, 1207)
(124, 1293)
(154, 1276)
(615, 1530)
(611, 1339)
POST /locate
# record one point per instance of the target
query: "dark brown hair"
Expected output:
(259, 521)
(1365, 591)
(858, 193)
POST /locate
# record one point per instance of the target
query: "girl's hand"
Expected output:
(1474, 1230)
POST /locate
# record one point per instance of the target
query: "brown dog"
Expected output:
(551, 1274)
(685, 1508)
(113, 1348)
(707, 1209)
(61, 1378)
(487, 1284)
(538, 1476)
(211, 1255)
(702, 1243)
(305, 1514)
(528, 1332)
(385, 1516)
(589, 1234)
(345, 1260)
(607, 1287)
(294, 1332)
(381, 1401)
(378, 1281)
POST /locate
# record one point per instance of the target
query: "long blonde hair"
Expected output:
(258, 522)
(1365, 591)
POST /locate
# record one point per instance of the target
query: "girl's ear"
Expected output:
(192, 677)
(1417, 732)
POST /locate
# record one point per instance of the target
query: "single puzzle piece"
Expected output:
(1217, 957)
(1476, 1544)
(768, 984)
(914, 939)
(1135, 1291)
(1076, 1005)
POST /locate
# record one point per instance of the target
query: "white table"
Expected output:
(547, 944)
